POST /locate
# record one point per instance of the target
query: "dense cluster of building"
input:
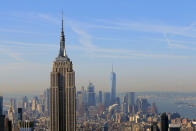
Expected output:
(61, 108)
(126, 114)
(94, 111)
(25, 113)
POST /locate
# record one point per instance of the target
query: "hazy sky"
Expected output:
(152, 44)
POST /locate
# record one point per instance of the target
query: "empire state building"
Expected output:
(62, 91)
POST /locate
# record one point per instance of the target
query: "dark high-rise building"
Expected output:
(164, 122)
(7, 125)
(100, 97)
(20, 114)
(118, 100)
(2, 122)
(105, 127)
(2, 117)
(107, 99)
(113, 86)
(91, 95)
(62, 91)
(1, 105)
(154, 127)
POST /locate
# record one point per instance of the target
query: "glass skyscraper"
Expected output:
(113, 86)
(91, 95)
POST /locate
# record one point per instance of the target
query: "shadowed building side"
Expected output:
(164, 122)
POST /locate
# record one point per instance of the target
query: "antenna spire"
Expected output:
(62, 51)
(62, 22)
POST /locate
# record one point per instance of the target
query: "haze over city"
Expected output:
(151, 44)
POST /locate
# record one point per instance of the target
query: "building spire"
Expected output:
(62, 52)
(62, 22)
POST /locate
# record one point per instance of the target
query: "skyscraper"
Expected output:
(100, 97)
(34, 103)
(78, 99)
(1, 105)
(13, 104)
(20, 114)
(131, 100)
(84, 96)
(2, 123)
(2, 117)
(107, 99)
(91, 95)
(142, 104)
(125, 104)
(164, 122)
(113, 86)
(62, 91)
(25, 102)
(46, 103)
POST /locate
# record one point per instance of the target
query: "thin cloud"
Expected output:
(180, 46)
(48, 18)
(176, 46)
(19, 43)
(187, 31)
(87, 45)
(11, 54)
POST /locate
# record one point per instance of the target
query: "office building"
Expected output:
(25, 102)
(20, 114)
(113, 86)
(84, 96)
(2, 122)
(142, 104)
(1, 105)
(46, 102)
(91, 95)
(26, 126)
(100, 97)
(62, 91)
(131, 101)
(8, 125)
(125, 105)
(164, 122)
(107, 99)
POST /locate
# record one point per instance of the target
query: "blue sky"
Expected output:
(151, 43)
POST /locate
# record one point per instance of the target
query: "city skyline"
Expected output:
(151, 49)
